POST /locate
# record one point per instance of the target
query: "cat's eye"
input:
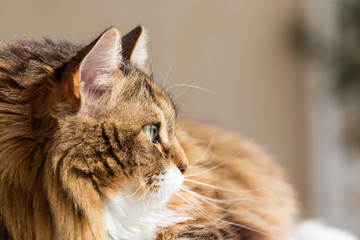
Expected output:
(151, 131)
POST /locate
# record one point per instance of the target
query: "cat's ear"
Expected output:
(91, 67)
(101, 61)
(134, 47)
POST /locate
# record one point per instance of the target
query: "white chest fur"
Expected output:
(133, 217)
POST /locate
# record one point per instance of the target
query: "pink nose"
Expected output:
(182, 167)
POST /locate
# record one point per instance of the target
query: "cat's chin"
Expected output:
(137, 216)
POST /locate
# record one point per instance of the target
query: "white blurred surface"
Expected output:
(311, 230)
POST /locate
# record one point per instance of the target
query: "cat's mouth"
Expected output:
(161, 187)
(170, 183)
(155, 190)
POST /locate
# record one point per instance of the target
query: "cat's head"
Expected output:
(120, 130)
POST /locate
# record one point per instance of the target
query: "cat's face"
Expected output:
(122, 135)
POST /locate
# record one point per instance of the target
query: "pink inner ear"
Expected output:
(101, 61)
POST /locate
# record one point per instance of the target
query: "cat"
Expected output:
(92, 148)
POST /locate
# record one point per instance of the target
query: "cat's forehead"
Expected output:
(139, 88)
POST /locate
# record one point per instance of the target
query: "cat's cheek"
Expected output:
(110, 193)
(171, 183)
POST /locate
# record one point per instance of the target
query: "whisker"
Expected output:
(200, 197)
(206, 150)
(150, 198)
(204, 164)
(215, 187)
(131, 195)
(216, 166)
(137, 189)
(233, 223)
(146, 191)
(161, 212)
(138, 162)
(184, 91)
(168, 72)
(198, 209)
(233, 200)
(190, 86)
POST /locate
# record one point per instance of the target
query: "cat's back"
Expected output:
(25, 61)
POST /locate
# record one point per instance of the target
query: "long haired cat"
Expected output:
(91, 148)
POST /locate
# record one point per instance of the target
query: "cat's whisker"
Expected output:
(161, 212)
(186, 82)
(146, 191)
(201, 197)
(168, 73)
(234, 200)
(129, 196)
(136, 190)
(204, 164)
(197, 209)
(231, 223)
(216, 166)
(239, 191)
(215, 187)
(190, 86)
(150, 198)
(147, 204)
(205, 214)
(206, 150)
(147, 180)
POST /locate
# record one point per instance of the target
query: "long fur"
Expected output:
(65, 175)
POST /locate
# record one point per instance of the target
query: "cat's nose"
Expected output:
(182, 167)
(178, 157)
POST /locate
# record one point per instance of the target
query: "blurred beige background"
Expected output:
(237, 49)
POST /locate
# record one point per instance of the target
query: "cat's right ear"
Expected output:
(134, 47)
(91, 67)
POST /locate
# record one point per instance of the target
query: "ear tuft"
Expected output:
(135, 47)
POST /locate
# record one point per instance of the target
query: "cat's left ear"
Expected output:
(90, 69)
(134, 47)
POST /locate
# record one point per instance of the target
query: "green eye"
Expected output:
(151, 132)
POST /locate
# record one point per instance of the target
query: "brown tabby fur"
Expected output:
(55, 165)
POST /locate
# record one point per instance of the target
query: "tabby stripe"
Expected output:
(88, 175)
(116, 136)
(14, 84)
(94, 183)
(111, 151)
(9, 112)
(3, 100)
(106, 165)
(4, 70)
(149, 89)
(61, 160)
